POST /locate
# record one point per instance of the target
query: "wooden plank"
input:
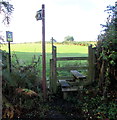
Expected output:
(72, 68)
(71, 58)
(64, 83)
(66, 90)
(65, 77)
(74, 83)
(77, 75)
(70, 89)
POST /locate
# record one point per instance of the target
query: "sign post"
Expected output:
(41, 16)
(9, 38)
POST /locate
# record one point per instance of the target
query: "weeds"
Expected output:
(22, 88)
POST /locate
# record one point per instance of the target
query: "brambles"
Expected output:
(107, 52)
(22, 89)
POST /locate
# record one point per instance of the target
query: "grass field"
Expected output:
(25, 52)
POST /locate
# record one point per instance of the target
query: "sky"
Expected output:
(78, 18)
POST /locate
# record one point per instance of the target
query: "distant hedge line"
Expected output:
(84, 43)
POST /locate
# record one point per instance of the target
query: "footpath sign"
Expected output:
(39, 15)
(9, 38)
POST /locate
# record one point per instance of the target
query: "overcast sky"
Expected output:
(78, 18)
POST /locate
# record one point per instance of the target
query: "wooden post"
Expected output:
(54, 70)
(65, 95)
(7, 61)
(0, 85)
(9, 38)
(91, 75)
(51, 74)
(43, 53)
(54, 67)
(93, 64)
(52, 46)
(9, 56)
(90, 58)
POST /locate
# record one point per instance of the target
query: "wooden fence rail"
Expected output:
(71, 68)
(71, 58)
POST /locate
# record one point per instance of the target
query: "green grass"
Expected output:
(25, 52)
(37, 47)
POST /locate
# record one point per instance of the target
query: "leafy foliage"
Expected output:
(6, 8)
(68, 38)
(92, 104)
(22, 89)
(107, 52)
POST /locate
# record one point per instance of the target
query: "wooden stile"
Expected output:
(53, 67)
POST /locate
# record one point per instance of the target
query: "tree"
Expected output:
(6, 10)
(69, 38)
